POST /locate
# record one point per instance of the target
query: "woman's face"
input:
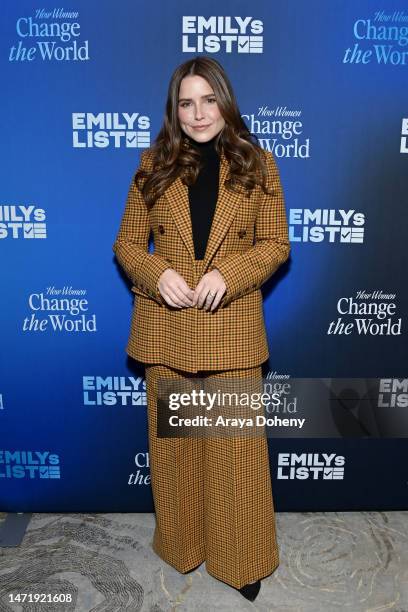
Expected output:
(198, 110)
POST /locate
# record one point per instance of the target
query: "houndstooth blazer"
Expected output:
(248, 241)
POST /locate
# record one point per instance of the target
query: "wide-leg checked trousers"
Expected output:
(212, 495)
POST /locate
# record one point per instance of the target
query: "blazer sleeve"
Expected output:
(131, 245)
(246, 272)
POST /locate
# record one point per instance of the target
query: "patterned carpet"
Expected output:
(349, 561)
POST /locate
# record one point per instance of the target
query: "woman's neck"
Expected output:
(206, 148)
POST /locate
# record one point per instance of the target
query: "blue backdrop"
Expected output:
(324, 87)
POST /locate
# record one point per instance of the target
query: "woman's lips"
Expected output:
(200, 127)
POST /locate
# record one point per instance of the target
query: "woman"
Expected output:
(213, 200)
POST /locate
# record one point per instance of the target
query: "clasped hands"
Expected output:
(207, 294)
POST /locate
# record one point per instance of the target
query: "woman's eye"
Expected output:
(185, 104)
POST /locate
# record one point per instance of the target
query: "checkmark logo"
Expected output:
(345, 234)
(29, 230)
(131, 140)
(243, 47)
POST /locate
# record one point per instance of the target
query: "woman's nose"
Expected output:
(198, 113)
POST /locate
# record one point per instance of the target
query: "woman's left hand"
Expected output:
(209, 290)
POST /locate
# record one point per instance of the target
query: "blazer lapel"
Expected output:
(226, 207)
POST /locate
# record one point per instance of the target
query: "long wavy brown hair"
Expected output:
(172, 154)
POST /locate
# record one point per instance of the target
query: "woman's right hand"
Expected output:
(174, 289)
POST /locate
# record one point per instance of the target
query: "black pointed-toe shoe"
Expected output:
(250, 591)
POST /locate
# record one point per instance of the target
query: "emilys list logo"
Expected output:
(22, 222)
(222, 34)
(117, 130)
(29, 465)
(310, 466)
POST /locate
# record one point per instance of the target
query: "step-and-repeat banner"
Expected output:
(324, 87)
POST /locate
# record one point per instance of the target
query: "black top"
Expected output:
(203, 194)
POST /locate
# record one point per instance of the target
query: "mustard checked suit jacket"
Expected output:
(248, 241)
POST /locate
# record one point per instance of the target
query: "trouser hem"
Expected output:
(198, 559)
(237, 584)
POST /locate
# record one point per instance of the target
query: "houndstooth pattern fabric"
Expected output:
(212, 496)
(248, 241)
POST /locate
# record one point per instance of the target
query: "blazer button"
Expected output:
(161, 228)
(241, 233)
